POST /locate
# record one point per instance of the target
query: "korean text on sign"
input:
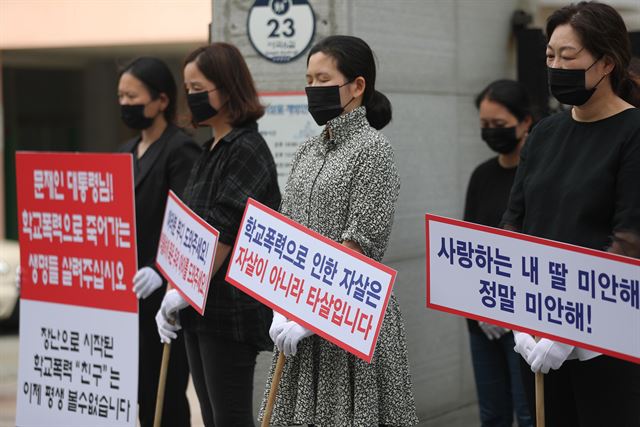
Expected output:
(78, 314)
(76, 223)
(584, 297)
(339, 294)
(186, 251)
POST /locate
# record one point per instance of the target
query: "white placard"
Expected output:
(579, 296)
(286, 124)
(338, 293)
(76, 372)
(186, 251)
(78, 314)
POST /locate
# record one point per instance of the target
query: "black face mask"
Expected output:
(201, 108)
(133, 117)
(568, 86)
(501, 140)
(324, 102)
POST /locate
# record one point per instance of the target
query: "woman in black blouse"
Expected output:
(162, 158)
(579, 182)
(222, 345)
(505, 119)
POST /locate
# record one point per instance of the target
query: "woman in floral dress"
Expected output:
(344, 184)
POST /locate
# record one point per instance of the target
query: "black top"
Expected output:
(579, 182)
(165, 165)
(239, 166)
(487, 197)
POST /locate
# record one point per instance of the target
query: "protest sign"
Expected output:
(78, 314)
(338, 293)
(580, 296)
(186, 251)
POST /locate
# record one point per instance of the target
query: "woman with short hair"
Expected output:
(222, 345)
(578, 183)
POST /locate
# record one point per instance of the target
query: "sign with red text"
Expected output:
(186, 251)
(338, 293)
(78, 313)
(582, 297)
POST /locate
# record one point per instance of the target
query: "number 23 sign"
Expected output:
(281, 30)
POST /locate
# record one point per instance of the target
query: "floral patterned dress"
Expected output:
(345, 188)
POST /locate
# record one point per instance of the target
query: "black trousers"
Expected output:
(175, 411)
(222, 373)
(600, 392)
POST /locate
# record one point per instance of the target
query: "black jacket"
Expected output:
(238, 167)
(165, 165)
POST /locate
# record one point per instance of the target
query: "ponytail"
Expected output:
(354, 58)
(378, 110)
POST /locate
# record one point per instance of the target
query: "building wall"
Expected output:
(433, 56)
(541, 9)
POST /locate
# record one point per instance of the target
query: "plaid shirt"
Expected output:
(239, 166)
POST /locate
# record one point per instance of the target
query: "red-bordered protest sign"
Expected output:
(186, 252)
(579, 296)
(338, 293)
(78, 314)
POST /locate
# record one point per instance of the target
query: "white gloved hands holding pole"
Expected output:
(547, 355)
(524, 344)
(145, 282)
(18, 277)
(166, 318)
(493, 332)
(542, 355)
(277, 325)
(289, 337)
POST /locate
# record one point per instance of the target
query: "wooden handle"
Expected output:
(275, 381)
(166, 354)
(539, 396)
(539, 399)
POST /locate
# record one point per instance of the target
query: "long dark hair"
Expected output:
(223, 65)
(157, 78)
(511, 94)
(603, 33)
(634, 74)
(355, 58)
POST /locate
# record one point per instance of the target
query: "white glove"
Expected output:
(524, 343)
(18, 277)
(547, 355)
(288, 339)
(492, 332)
(166, 318)
(277, 325)
(145, 282)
